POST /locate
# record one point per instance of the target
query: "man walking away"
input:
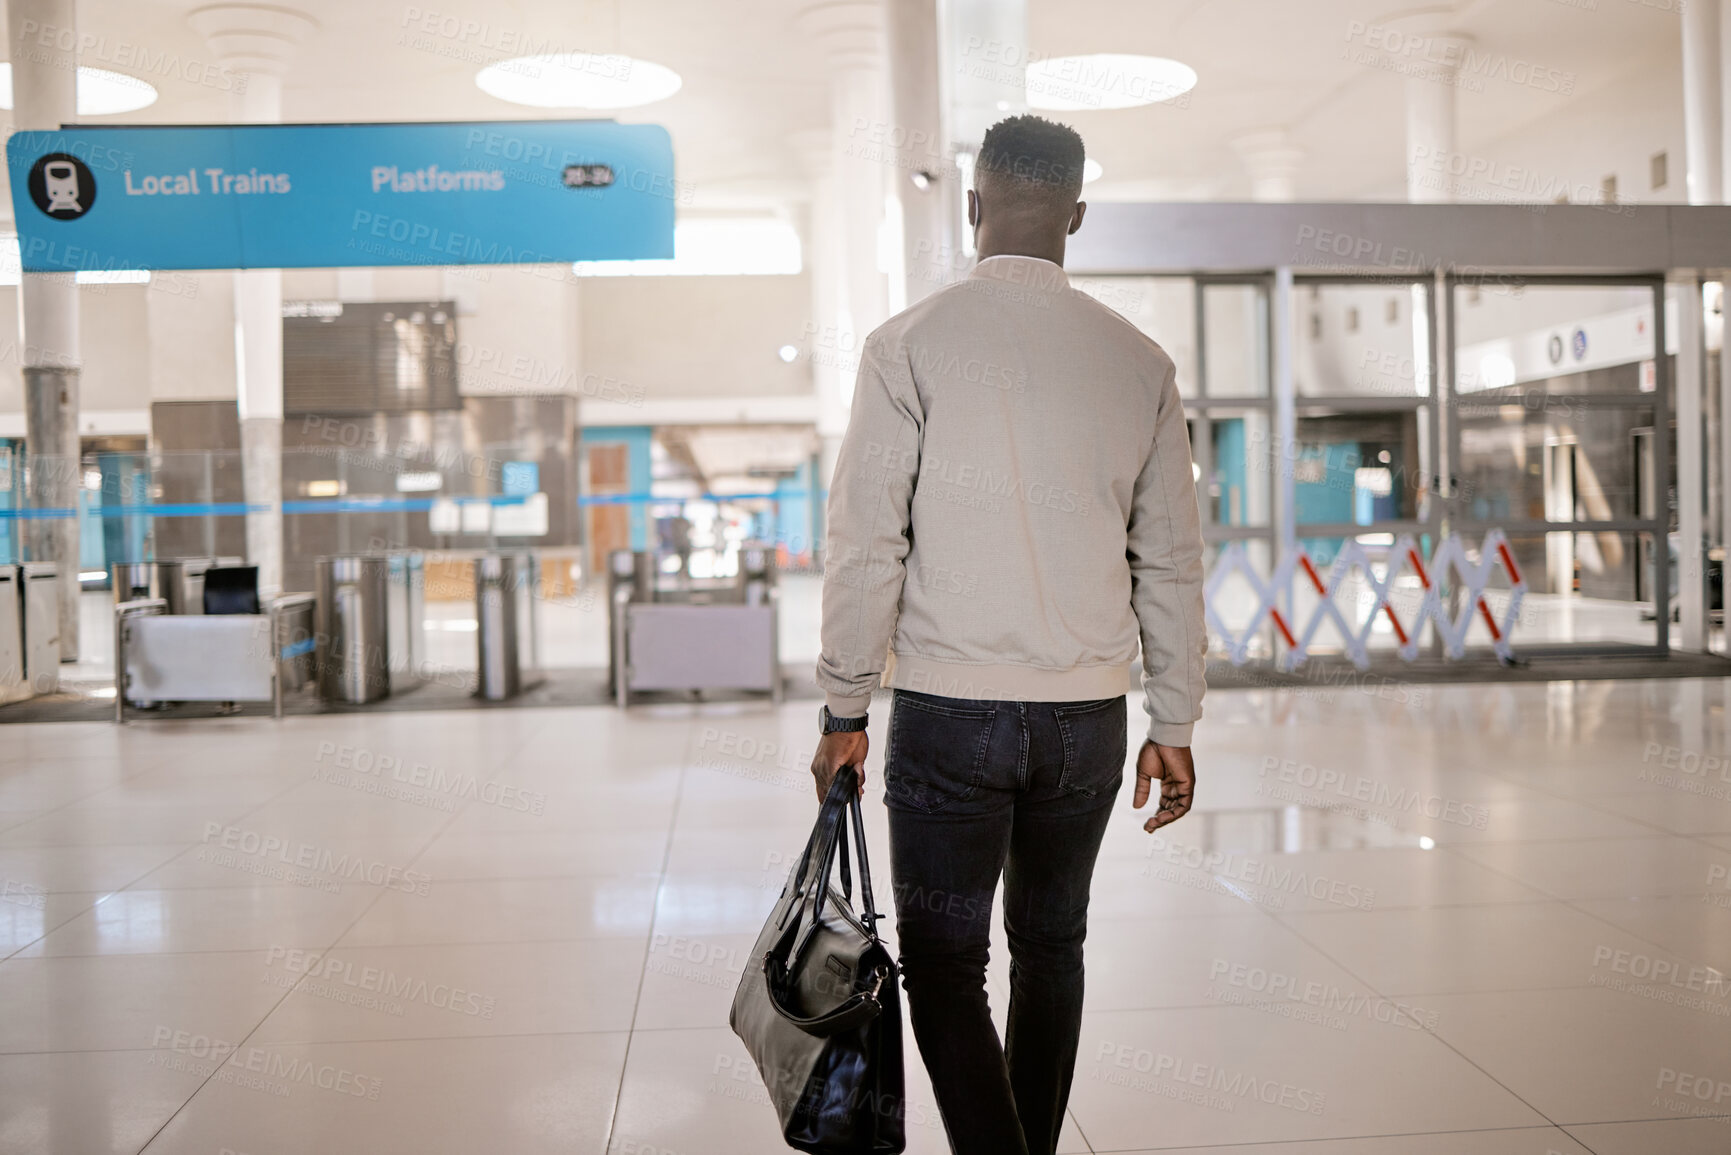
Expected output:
(1013, 508)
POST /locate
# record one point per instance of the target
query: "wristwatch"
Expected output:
(828, 723)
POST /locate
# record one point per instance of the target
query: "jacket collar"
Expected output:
(1030, 272)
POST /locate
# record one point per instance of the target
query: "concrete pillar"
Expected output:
(987, 56)
(1703, 103)
(1272, 161)
(859, 191)
(830, 363)
(923, 170)
(1430, 118)
(257, 42)
(851, 33)
(1704, 148)
(45, 96)
(984, 80)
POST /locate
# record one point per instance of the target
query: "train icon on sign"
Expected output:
(62, 183)
(62, 187)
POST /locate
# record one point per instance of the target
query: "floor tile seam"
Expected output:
(1726, 1118)
(265, 1017)
(105, 895)
(1573, 904)
(48, 930)
(1657, 833)
(124, 778)
(445, 944)
(1648, 823)
(441, 945)
(397, 1039)
(270, 885)
(1275, 1145)
(37, 1053)
(191, 847)
(1070, 1113)
(643, 970)
(1377, 990)
(304, 978)
(138, 954)
(1503, 874)
(1379, 908)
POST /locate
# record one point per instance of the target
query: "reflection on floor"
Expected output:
(1476, 919)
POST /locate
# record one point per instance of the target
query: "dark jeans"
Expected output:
(976, 789)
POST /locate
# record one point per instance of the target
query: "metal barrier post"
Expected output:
(131, 580)
(498, 672)
(180, 583)
(14, 683)
(353, 638)
(42, 621)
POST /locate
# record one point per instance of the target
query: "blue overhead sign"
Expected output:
(333, 195)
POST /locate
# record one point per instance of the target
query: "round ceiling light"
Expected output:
(1105, 80)
(578, 80)
(1091, 170)
(100, 92)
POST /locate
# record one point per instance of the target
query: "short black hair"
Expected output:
(1042, 157)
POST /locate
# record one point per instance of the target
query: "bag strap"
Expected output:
(867, 901)
(846, 876)
(840, 789)
(850, 798)
(820, 848)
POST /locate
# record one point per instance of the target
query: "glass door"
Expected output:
(1364, 457)
(1217, 330)
(1561, 435)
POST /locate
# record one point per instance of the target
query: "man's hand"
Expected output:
(835, 751)
(1177, 774)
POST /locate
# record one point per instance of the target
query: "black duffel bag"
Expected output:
(818, 1006)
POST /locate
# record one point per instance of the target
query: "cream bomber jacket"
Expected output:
(1013, 507)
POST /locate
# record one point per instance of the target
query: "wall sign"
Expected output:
(338, 195)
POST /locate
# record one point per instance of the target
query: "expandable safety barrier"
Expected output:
(1471, 579)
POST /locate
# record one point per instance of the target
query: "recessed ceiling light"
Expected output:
(1091, 170)
(578, 80)
(100, 92)
(1105, 80)
(788, 353)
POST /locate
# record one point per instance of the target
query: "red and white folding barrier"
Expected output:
(1470, 581)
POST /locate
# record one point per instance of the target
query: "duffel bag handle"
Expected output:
(820, 848)
(828, 840)
(867, 901)
(849, 791)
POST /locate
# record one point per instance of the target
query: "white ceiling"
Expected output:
(1285, 64)
(752, 80)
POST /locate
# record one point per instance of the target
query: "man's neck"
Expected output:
(987, 250)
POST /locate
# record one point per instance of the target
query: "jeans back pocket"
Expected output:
(937, 752)
(1095, 742)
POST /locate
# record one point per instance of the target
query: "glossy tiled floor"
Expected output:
(1427, 920)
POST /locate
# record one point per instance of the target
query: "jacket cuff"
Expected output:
(841, 706)
(1160, 733)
